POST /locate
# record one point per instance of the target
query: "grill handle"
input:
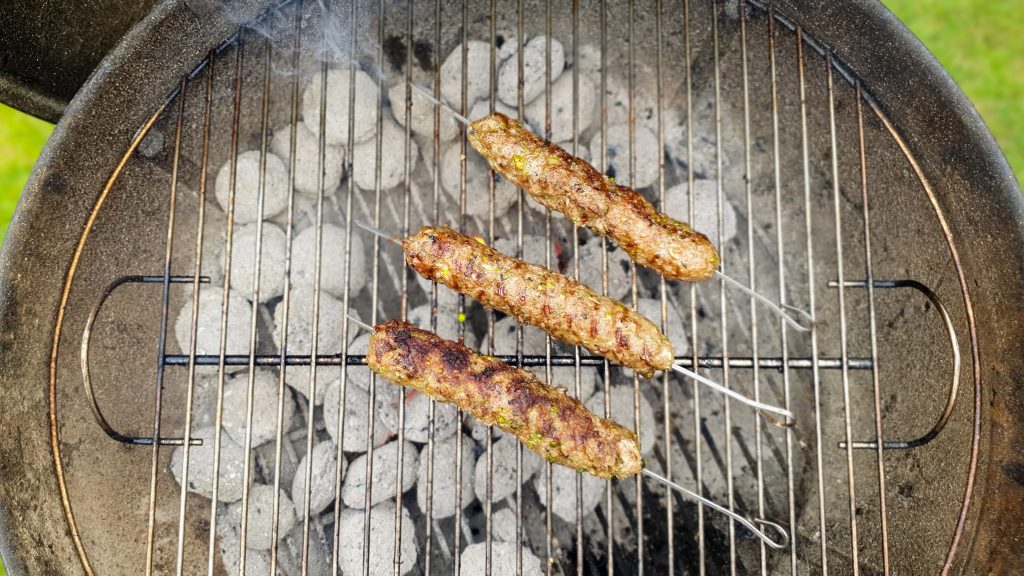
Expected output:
(954, 386)
(87, 377)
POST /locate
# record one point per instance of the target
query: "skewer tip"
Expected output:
(426, 94)
(378, 232)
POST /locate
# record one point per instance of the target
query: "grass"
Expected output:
(980, 42)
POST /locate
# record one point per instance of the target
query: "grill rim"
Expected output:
(158, 37)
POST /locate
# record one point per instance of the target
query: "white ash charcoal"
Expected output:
(271, 261)
(534, 339)
(422, 113)
(356, 426)
(297, 378)
(592, 272)
(447, 299)
(447, 322)
(385, 475)
(565, 377)
(200, 466)
(483, 108)
(478, 182)
(392, 158)
(588, 60)
(534, 249)
(705, 151)
(478, 60)
(677, 334)
(503, 455)
(332, 261)
(562, 108)
(417, 415)
(563, 492)
(338, 106)
(444, 483)
(264, 406)
(307, 158)
(705, 209)
(321, 487)
(504, 559)
(229, 526)
(646, 150)
(503, 525)
(204, 396)
(479, 432)
(534, 70)
(208, 322)
(289, 552)
(359, 375)
(621, 402)
(382, 540)
(247, 179)
(617, 101)
(300, 322)
(508, 44)
(258, 534)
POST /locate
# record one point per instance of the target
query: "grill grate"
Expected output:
(803, 194)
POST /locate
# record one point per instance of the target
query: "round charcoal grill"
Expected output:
(834, 163)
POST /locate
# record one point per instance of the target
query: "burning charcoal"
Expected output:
(563, 492)
(705, 151)
(258, 532)
(355, 417)
(478, 61)
(271, 261)
(621, 402)
(503, 454)
(646, 151)
(297, 377)
(332, 261)
(478, 178)
(392, 159)
(417, 415)
(503, 559)
(338, 106)
(443, 499)
(534, 339)
(307, 158)
(200, 466)
(562, 108)
(705, 209)
(385, 474)
(264, 406)
(382, 541)
(300, 322)
(321, 488)
(204, 396)
(591, 270)
(257, 562)
(534, 71)
(247, 180)
(422, 116)
(207, 337)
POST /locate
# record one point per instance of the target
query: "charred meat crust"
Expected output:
(545, 419)
(573, 187)
(536, 295)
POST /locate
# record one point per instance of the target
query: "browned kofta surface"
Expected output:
(545, 419)
(536, 295)
(573, 187)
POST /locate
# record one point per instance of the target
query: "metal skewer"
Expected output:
(786, 416)
(750, 524)
(779, 309)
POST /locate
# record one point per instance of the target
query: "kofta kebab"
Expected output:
(556, 426)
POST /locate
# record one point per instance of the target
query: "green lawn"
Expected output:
(981, 43)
